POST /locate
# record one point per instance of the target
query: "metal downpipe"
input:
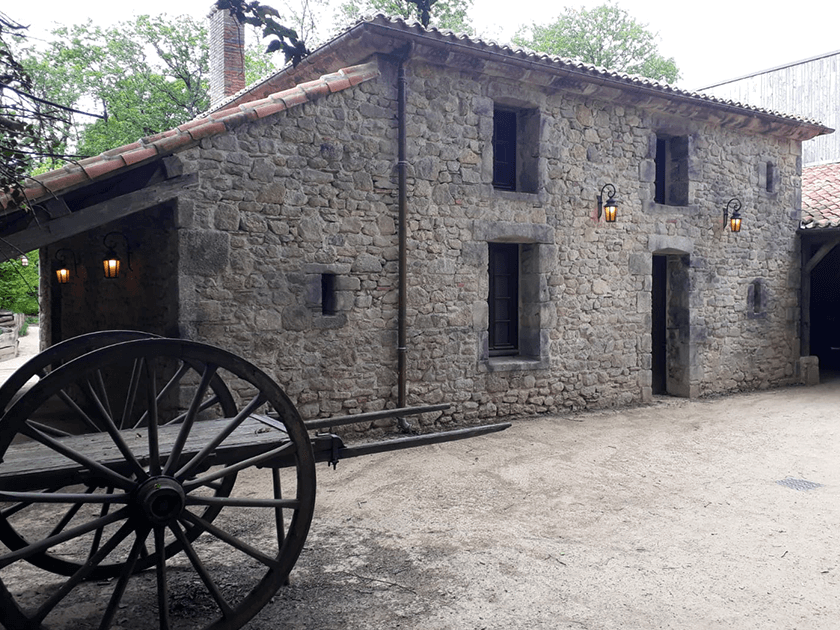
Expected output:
(402, 166)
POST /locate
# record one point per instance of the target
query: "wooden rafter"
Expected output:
(59, 224)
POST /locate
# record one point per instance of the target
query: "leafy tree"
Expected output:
(449, 14)
(27, 123)
(34, 129)
(137, 93)
(263, 17)
(19, 285)
(144, 76)
(605, 36)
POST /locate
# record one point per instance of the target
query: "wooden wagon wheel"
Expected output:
(41, 365)
(163, 476)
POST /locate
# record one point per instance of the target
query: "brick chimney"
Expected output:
(227, 56)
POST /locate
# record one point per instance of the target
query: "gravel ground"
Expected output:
(664, 516)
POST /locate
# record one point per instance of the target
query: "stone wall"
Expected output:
(312, 192)
(144, 297)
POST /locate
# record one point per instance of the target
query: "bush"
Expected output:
(19, 285)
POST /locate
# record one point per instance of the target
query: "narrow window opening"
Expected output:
(661, 162)
(504, 149)
(770, 183)
(328, 294)
(503, 299)
(758, 298)
(671, 183)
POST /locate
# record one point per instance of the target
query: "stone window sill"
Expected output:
(652, 207)
(513, 364)
(511, 195)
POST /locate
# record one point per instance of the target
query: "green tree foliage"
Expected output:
(35, 130)
(19, 285)
(605, 36)
(448, 14)
(144, 76)
(264, 17)
(27, 124)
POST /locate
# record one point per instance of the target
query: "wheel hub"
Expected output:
(161, 500)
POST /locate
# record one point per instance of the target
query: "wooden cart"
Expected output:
(129, 459)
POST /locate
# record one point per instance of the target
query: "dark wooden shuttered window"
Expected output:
(504, 298)
(504, 149)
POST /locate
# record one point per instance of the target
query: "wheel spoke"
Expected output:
(34, 548)
(64, 396)
(14, 509)
(136, 371)
(183, 369)
(186, 426)
(111, 428)
(103, 395)
(83, 572)
(199, 457)
(115, 478)
(162, 586)
(151, 401)
(213, 400)
(69, 515)
(122, 583)
(279, 525)
(290, 504)
(202, 571)
(49, 430)
(233, 541)
(63, 497)
(192, 484)
(97, 537)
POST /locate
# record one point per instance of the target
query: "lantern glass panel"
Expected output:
(111, 267)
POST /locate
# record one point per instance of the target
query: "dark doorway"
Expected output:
(658, 319)
(825, 310)
(670, 324)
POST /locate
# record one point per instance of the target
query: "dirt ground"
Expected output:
(663, 516)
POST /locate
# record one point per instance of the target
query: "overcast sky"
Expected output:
(711, 41)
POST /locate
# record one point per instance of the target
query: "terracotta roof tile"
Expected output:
(195, 122)
(189, 133)
(360, 74)
(293, 97)
(821, 196)
(338, 82)
(139, 155)
(392, 28)
(209, 128)
(119, 150)
(102, 167)
(269, 107)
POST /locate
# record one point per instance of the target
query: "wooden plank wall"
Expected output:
(809, 88)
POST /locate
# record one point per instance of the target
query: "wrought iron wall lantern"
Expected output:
(63, 271)
(111, 263)
(610, 207)
(733, 219)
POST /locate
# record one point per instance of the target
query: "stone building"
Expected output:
(410, 216)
